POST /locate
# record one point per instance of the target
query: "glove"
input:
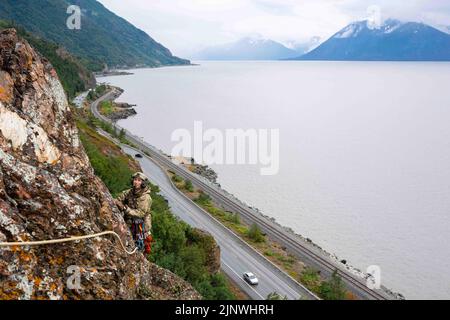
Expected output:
(119, 205)
(148, 244)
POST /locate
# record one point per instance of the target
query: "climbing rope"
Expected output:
(74, 238)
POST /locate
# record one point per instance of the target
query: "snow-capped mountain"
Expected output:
(247, 49)
(392, 41)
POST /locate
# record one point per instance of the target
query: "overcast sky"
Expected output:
(185, 26)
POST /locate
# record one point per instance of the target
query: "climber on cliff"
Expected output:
(135, 204)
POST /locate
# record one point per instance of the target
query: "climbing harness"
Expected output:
(148, 244)
(138, 232)
(73, 238)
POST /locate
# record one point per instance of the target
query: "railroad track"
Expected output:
(266, 226)
(356, 285)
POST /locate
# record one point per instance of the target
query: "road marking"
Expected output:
(242, 244)
(163, 187)
(310, 253)
(243, 280)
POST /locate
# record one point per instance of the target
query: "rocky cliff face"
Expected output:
(48, 190)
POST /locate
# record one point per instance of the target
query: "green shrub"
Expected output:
(215, 288)
(108, 128)
(188, 186)
(114, 171)
(255, 234)
(177, 179)
(268, 253)
(122, 135)
(203, 199)
(275, 296)
(234, 218)
(333, 289)
(311, 279)
(179, 249)
(106, 107)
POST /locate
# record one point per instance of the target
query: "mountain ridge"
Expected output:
(105, 39)
(392, 41)
(247, 48)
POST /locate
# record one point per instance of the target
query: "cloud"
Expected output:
(188, 25)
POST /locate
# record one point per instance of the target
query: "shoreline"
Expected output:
(242, 250)
(125, 71)
(339, 262)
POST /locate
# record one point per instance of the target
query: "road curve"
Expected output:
(306, 252)
(236, 256)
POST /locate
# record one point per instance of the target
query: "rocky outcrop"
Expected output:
(48, 190)
(121, 110)
(85, 75)
(205, 172)
(207, 241)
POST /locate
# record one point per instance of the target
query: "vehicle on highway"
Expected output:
(138, 155)
(250, 278)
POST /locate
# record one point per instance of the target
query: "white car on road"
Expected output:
(251, 278)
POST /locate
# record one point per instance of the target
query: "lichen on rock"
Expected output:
(48, 190)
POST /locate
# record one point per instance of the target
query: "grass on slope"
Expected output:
(103, 39)
(109, 162)
(177, 246)
(179, 249)
(106, 108)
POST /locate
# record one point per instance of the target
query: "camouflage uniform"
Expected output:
(137, 206)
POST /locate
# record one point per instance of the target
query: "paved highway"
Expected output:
(236, 256)
(306, 252)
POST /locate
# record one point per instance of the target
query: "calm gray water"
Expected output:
(365, 152)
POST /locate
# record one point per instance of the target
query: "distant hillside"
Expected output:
(393, 41)
(104, 37)
(304, 46)
(73, 75)
(247, 49)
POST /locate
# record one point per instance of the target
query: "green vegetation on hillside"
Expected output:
(179, 249)
(95, 123)
(106, 108)
(109, 163)
(74, 77)
(104, 38)
(98, 91)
